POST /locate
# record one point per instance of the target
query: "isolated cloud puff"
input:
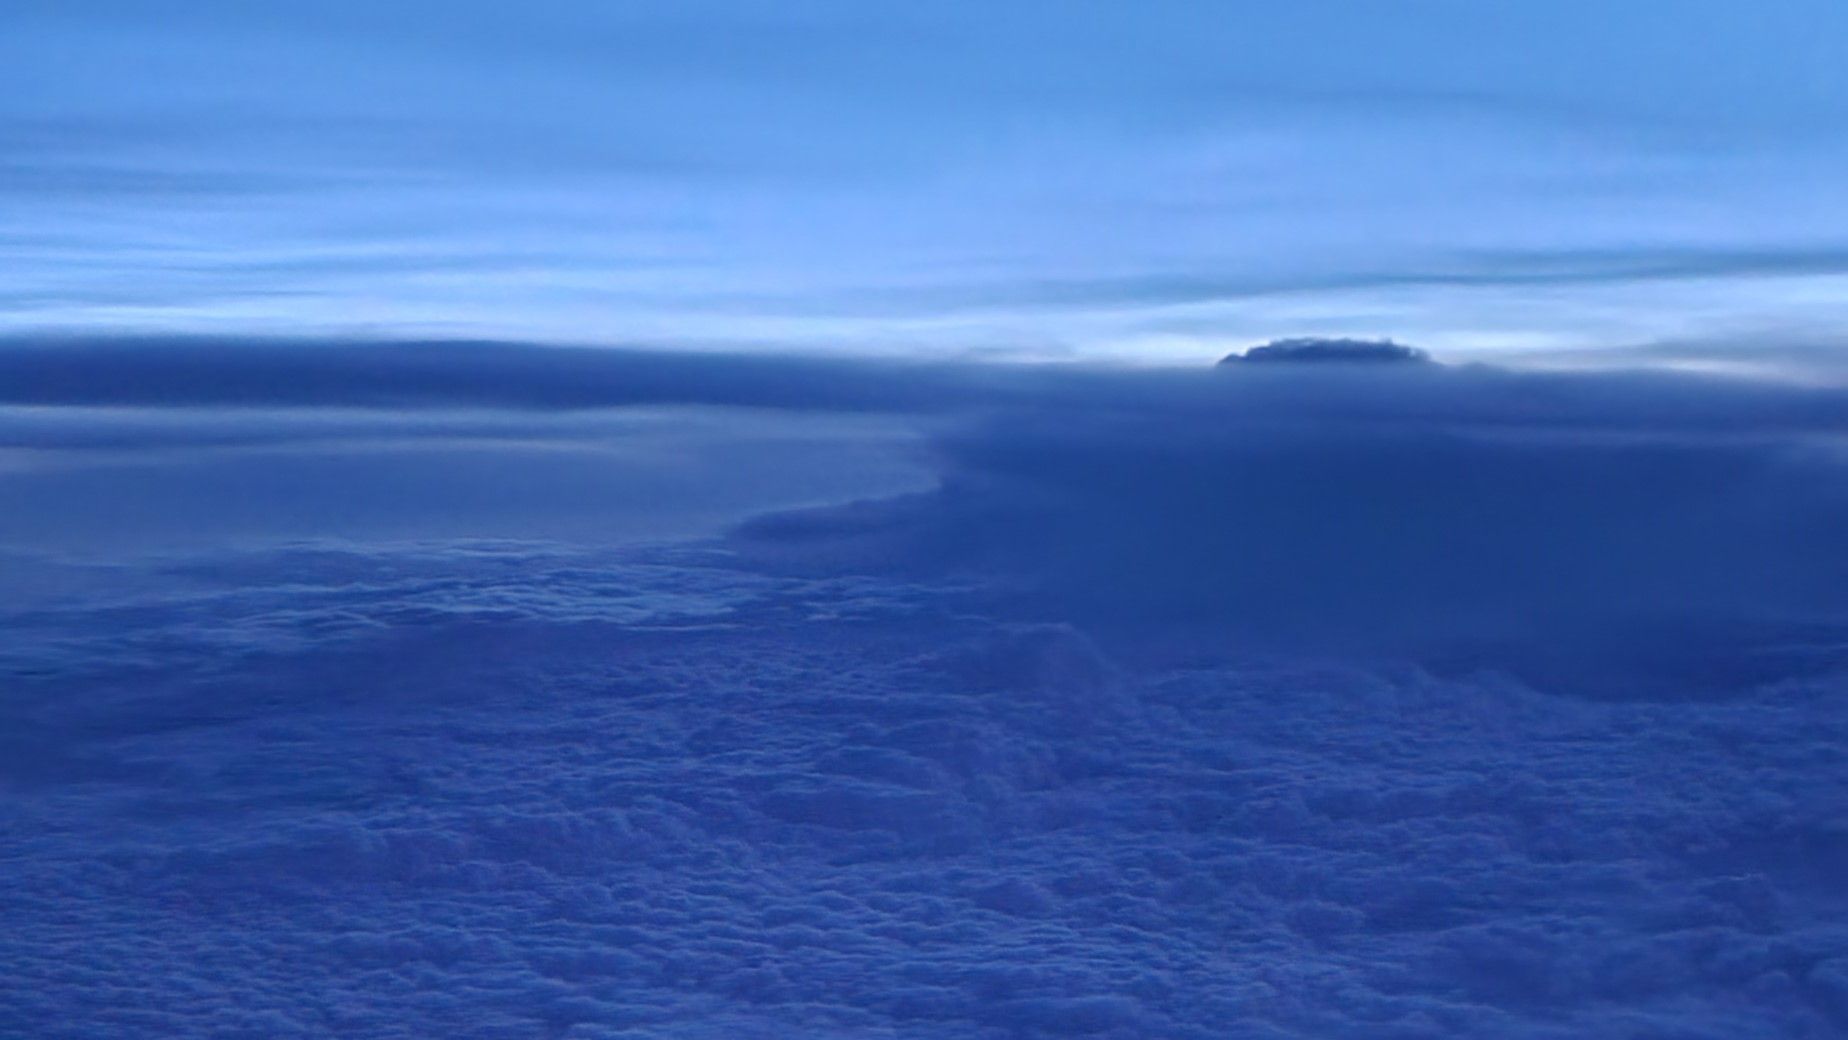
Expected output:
(1320, 350)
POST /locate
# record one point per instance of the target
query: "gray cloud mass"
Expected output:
(1272, 701)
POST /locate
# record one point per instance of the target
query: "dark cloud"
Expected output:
(1639, 531)
(115, 483)
(193, 371)
(114, 447)
(1629, 532)
(1621, 530)
(1318, 350)
(1231, 701)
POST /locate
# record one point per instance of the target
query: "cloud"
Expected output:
(1641, 531)
(208, 443)
(496, 790)
(178, 371)
(1246, 700)
(1630, 532)
(1459, 270)
(1316, 350)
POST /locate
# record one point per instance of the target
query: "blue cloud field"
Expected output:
(490, 690)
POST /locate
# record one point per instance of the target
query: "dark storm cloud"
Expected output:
(181, 371)
(1625, 532)
(151, 372)
(1632, 530)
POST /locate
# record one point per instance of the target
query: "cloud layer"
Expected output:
(1640, 531)
(497, 791)
(1266, 701)
(1628, 527)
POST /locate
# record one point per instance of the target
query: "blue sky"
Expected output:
(1155, 181)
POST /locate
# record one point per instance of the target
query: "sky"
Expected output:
(1149, 182)
(604, 521)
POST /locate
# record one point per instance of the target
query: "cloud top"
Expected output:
(1318, 350)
